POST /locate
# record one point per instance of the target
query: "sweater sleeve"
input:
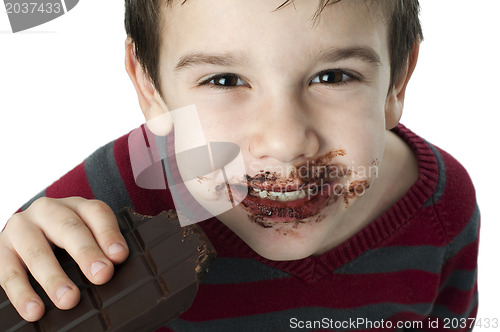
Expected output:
(456, 304)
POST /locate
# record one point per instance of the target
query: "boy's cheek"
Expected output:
(363, 142)
(358, 126)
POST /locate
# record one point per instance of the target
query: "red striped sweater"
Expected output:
(415, 263)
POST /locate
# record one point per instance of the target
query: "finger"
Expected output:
(32, 247)
(63, 227)
(102, 222)
(14, 281)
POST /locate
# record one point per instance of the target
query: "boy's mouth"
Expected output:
(286, 206)
(294, 197)
(285, 196)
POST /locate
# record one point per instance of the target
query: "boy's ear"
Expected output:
(395, 99)
(150, 101)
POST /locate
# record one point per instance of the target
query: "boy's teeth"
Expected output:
(282, 196)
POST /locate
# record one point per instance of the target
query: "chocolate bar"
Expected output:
(156, 283)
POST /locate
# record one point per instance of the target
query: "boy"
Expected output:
(387, 231)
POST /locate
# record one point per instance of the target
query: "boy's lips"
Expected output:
(302, 193)
(285, 206)
(284, 186)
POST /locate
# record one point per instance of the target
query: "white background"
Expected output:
(64, 92)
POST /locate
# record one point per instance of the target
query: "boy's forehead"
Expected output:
(258, 25)
(378, 8)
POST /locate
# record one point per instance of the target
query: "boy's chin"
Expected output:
(283, 254)
(282, 241)
(284, 247)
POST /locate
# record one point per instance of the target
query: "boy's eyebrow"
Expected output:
(197, 58)
(364, 53)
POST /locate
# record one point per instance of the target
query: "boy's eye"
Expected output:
(332, 77)
(224, 81)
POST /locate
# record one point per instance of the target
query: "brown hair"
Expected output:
(143, 26)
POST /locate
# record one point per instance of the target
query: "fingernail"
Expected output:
(31, 306)
(96, 267)
(61, 291)
(115, 248)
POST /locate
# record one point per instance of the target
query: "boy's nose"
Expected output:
(284, 131)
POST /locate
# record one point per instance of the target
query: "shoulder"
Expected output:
(119, 169)
(445, 184)
(454, 198)
(455, 207)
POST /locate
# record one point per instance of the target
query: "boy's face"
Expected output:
(305, 100)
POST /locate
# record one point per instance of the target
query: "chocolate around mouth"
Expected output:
(312, 177)
(315, 175)
(287, 211)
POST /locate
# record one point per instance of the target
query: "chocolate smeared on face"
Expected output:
(319, 168)
(202, 178)
(308, 174)
(308, 188)
(261, 221)
(356, 188)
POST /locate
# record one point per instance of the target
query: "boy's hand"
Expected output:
(86, 229)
